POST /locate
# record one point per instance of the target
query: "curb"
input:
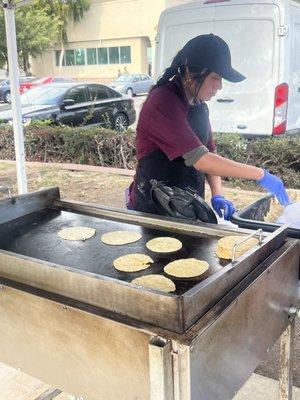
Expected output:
(78, 167)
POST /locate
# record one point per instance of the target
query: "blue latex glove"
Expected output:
(274, 185)
(219, 203)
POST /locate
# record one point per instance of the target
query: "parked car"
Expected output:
(132, 84)
(76, 104)
(5, 87)
(46, 79)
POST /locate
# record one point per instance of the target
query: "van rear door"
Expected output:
(251, 32)
(176, 27)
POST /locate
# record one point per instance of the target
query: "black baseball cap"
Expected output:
(210, 52)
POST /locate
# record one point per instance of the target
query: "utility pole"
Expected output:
(9, 7)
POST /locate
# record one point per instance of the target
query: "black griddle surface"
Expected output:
(36, 236)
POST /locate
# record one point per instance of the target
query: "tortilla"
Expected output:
(154, 281)
(225, 246)
(132, 262)
(164, 244)
(118, 238)
(76, 233)
(276, 209)
(186, 268)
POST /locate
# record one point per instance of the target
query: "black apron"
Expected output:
(156, 165)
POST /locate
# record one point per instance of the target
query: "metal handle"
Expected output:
(225, 100)
(295, 311)
(236, 245)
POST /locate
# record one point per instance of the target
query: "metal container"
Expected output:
(252, 217)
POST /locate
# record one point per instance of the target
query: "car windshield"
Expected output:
(43, 95)
(124, 78)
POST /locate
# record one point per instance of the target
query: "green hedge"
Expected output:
(104, 147)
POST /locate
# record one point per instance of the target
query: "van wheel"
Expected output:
(121, 123)
(7, 97)
(129, 92)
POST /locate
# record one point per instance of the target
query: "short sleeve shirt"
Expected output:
(163, 123)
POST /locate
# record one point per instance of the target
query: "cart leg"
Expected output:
(161, 371)
(286, 367)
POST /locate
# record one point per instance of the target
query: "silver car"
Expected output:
(132, 84)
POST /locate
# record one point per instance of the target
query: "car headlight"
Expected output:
(26, 121)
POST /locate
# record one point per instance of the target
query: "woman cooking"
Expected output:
(174, 139)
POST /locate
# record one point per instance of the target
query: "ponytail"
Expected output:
(177, 68)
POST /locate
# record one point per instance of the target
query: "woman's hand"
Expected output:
(274, 185)
(219, 204)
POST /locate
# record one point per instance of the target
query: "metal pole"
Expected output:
(286, 365)
(9, 12)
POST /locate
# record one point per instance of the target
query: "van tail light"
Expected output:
(280, 108)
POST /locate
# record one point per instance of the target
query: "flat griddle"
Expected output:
(36, 236)
(31, 253)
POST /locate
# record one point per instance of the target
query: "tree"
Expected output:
(65, 10)
(36, 32)
(39, 26)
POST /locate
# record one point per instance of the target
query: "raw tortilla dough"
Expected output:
(118, 238)
(154, 281)
(164, 244)
(225, 246)
(276, 209)
(186, 268)
(76, 233)
(132, 262)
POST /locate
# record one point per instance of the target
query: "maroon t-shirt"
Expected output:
(163, 123)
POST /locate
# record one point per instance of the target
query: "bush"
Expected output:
(281, 156)
(94, 146)
(107, 148)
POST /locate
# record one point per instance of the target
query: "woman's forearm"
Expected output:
(215, 184)
(213, 164)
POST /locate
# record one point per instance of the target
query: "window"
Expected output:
(113, 55)
(98, 92)
(91, 55)
(80, 56)
(70, 57)
(77, 93)
(125, 54)
(57, 58)
(102, 55)
(112, 93)
(94, 56)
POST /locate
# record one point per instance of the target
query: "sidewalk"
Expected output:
(18, 386)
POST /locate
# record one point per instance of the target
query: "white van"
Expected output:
(264, 38)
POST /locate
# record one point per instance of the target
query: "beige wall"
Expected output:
(110, 23)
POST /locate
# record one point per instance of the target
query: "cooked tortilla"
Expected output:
(225, 246)
(164, 244)
(186, 268)
(154, 281)
(76, 233)
(118, 238)
(132, 262)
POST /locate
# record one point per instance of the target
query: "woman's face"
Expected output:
(212, 83)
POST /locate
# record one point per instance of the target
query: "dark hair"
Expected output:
(178, 68)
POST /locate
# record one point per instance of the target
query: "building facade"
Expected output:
(114, 37)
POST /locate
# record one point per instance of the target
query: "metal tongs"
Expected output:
(236, 245)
